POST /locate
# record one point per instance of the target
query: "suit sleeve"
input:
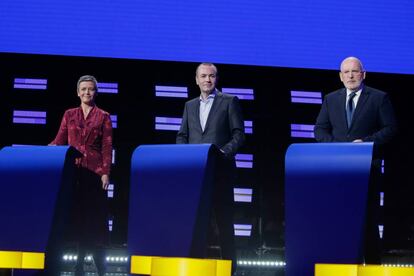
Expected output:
(388, 124)
(323, 127)
(62, 135)
(182, 135)
(236, 124)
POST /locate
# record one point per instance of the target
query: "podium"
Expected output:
(35, 184)
(326, 193)
(170, 199)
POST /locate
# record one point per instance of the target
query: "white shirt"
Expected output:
(205, 107)
(355, 99)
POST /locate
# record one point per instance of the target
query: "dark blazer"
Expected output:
(224, 126)
(373, 119)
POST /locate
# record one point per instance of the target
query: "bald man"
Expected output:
(355, 113)
(358, 113)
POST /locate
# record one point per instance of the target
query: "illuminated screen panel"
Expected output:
(302, 131)
(171, 91)
(35, 84)
(108, 87)
(114, 119)
(306, 97)
(302, 34)
(243, 230)
(241, 93)
(242, 194)
(29, 117)
(244, 161)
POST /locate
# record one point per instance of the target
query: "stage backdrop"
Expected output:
(146, 100)
(144, 54)
(301, 34)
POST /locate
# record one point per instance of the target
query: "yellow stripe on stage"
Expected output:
(22, 260)
(377, 270)
(33, 260)
(10, 259)
(182, 266)
(361, 270)
(336, 270)
(164, 266)
(223, 267)
(141, 265)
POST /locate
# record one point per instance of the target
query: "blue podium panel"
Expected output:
(326, 192)
(170, 199)
(35, 193)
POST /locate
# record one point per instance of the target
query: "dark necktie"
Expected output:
(350, 108)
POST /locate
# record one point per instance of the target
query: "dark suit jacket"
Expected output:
(224, 126)
(373, 119)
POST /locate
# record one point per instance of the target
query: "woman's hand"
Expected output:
(105, 181)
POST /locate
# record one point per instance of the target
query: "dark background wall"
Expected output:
(272, 113)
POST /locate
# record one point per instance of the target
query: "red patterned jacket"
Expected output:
(91, 136)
